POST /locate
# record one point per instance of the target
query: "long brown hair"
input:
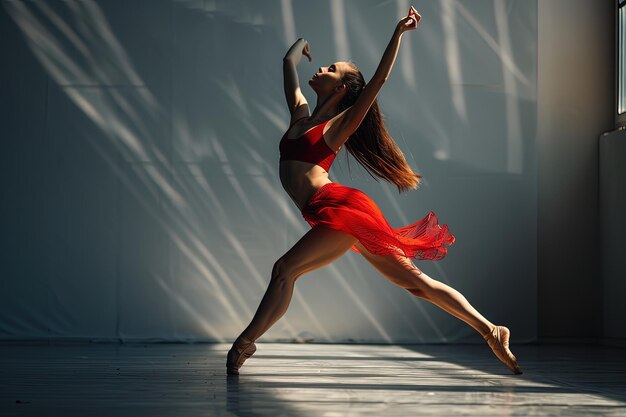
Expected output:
(371, 145)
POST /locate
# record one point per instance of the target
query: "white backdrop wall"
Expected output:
(139, 166)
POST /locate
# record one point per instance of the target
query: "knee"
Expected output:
(422, 286)
(283, 270)
(417, 292)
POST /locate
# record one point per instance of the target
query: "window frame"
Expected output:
(620, 118)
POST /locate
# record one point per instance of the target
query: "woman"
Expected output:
(345, 218)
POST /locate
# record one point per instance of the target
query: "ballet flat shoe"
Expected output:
(237, 355)
(498, 341)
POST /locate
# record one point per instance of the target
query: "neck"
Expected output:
(326, 107)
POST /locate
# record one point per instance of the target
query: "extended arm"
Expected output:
(354, 115)
(298, 106)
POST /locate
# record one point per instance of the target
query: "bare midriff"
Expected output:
(301, 180)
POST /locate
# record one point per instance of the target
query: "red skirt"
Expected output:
(352, 211)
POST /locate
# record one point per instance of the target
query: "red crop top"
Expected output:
(310, 147)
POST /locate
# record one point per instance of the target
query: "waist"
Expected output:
(301, 188)
(315, 193)
(324, 163)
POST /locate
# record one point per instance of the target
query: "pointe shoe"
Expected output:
(237, 355)
(498, 341)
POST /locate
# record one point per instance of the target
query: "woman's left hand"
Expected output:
(409, 22)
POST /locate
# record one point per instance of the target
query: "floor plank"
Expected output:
(101, 379)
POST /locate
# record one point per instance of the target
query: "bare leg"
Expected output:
(317, 248)
(401, 271)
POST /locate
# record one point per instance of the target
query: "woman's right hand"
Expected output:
(306, 51)
(298, 49)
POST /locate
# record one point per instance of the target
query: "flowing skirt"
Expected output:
(352, 211)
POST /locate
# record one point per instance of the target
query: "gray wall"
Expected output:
(612, 232)
(575, 105)
(140, 152)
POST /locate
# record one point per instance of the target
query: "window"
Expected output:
(621, 61)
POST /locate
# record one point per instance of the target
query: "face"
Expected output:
(328, 78)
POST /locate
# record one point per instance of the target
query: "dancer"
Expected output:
(342, 217)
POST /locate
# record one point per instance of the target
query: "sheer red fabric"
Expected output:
(352, 211)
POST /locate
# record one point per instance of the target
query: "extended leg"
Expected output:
(401, 271)
(317, 248)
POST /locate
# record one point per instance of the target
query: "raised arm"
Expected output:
(298, 106)
(353, 116)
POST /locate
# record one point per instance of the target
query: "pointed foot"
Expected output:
(498, 341)
(241, 350)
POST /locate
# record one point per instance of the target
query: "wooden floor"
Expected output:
(308, 380)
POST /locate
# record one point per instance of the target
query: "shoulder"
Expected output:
(296, 120)
(301, 112)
